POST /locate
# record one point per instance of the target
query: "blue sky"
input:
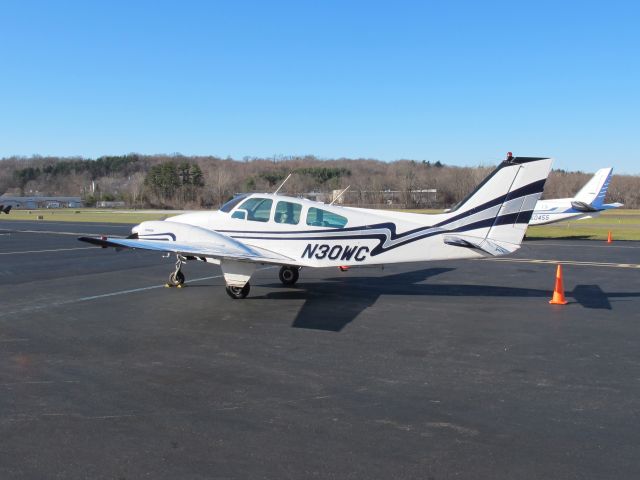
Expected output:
(460, 82)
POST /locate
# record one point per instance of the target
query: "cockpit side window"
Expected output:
(287, 212)
(227, 207)
(323, 218)
(258, 209)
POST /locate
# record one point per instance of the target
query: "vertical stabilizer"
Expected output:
(594, 192)
(495, 217)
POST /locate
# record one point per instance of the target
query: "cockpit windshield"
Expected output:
(227, 207)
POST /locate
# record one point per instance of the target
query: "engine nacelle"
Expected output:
(180, 232)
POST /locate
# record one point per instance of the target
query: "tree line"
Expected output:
(178, 181)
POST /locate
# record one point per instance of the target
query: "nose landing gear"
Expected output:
(176, 279)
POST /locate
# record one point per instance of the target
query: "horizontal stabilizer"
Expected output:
(609, 206)
(488, 247)
(583, 207)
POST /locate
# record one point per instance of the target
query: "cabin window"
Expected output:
(288, 212)
(258, 209)
(227, 207)
(322, 218)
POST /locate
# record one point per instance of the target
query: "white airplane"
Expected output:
(587, 203)
(254, 229)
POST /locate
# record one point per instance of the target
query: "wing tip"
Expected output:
(100, 242)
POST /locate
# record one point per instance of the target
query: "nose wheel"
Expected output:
(289, 275)
(176, 279)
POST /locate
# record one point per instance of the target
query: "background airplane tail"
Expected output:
(495, 216)
(595, 190)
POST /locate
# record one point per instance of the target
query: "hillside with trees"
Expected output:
(177, 181)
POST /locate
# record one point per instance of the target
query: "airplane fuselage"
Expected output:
(558, 210)
(358, 236)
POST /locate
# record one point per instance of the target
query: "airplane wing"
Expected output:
(189, 249)
(583, 207)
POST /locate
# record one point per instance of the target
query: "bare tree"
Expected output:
(371, 180)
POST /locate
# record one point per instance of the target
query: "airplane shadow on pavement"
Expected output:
(332, 304)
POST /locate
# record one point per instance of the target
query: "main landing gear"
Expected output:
(238, 293)
(289, 275)
(176, 279)
(236, 275)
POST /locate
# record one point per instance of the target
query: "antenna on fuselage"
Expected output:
(340, 195)
(282, 184)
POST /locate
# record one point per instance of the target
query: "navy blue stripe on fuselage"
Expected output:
(154, 236)
(383, 238)
(531, 189)
(386, 233)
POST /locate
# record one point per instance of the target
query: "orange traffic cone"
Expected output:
(609, 237)
(558, 291)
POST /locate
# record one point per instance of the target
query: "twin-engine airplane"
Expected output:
(587, 203)
(254, 229)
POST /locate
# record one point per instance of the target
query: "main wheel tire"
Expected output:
(289, 275)
(176, 278)
(238, 292)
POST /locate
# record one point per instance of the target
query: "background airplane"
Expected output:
(587, 203)
(254, 229)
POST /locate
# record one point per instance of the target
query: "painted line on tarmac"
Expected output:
(578, 245)
(37, 382)
(96, 297)
(68, 222)
(136, 290)
(46, 251)
(564, 262)
(103, 295)
(52, 232)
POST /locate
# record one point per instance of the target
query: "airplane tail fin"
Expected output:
(595, 190)
(495, 216)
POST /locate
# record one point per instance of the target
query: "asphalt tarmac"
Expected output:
(438, 370)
